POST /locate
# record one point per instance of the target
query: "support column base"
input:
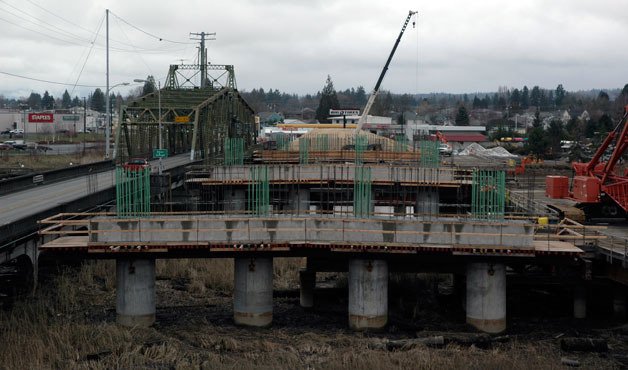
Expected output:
(143, 321)
(361, 323)
(488, 326)
(259, 320)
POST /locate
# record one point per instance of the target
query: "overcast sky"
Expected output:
(292, 45)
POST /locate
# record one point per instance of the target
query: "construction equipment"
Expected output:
(596, 189)
(371, 100)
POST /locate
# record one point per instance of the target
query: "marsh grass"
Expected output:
(69, 324)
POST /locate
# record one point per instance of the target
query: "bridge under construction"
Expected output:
(346, 201)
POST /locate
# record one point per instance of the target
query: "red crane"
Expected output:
(595, 182)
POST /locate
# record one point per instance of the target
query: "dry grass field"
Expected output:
(70, 324)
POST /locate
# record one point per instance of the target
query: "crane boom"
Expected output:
(373, 95)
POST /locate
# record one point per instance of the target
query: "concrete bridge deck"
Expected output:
(165, 234)
(380, 174)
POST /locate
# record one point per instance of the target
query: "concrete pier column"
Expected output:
(486, 296)
(400, 210)
(307, 280)
(135, 291)
(299, 201)
(427, 201)
(580, 302)
(619, 303)
(253, 292)
(368, 294)
(235, 200)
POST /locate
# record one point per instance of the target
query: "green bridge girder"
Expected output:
(196, 121)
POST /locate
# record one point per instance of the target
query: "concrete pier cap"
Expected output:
(486, 296)
(135, 292)
(368, 294)
(253, 292)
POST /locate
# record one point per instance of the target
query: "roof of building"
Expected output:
(471, 137)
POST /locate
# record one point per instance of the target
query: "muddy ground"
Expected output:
(70, 323)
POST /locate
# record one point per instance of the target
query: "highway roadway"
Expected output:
(15, 206)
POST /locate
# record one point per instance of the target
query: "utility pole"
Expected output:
(107, 108)
(84, 123)
(203, 53)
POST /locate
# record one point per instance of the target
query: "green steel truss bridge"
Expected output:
(195, 118)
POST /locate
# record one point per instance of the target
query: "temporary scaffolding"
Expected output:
(361, 144)
(258, 200)
(362, 193)
(401, 143)
(430, 156)
(488, 194)
(304, 151)
(132, 191)
(234, 151)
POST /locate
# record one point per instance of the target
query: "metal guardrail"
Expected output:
(33, 179)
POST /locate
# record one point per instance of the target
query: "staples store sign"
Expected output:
(41, 117)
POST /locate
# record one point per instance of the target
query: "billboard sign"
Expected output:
(344, 112)
(71, 118)
(40, 117)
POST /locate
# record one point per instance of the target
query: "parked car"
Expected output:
(136, 164)
(445, 149)
(5, 132)
(4, 146)
(17, 131)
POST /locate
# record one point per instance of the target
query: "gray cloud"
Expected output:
(293, 45)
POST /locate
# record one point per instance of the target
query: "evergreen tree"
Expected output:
(537, 142)
(149, 85)
(34, 101)
(66, 101)
(97, 102)
(329, 100)
(525, 98)
(515, 99)
(559, 96)
(47, 101)
(555, 134)
(535, 97)
(76, 102)
(462, 118)
(360, 96)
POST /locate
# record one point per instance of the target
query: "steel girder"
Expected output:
(193, 120)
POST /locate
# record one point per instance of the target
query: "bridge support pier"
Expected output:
(580, 302)
(486, 296)
(235, 200)
(135, 292)
(427, 201)
(299, 201)
(400, 210)
(307, 279)
(253, 291)
(619, 303)
(368, 294)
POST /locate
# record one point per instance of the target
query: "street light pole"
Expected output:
(108, 117)
(161, 143)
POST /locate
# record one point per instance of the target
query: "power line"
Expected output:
(148, 33)
(64, 33)
(46, 81)
(48, 26)
(88, 54)
(87, 30)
